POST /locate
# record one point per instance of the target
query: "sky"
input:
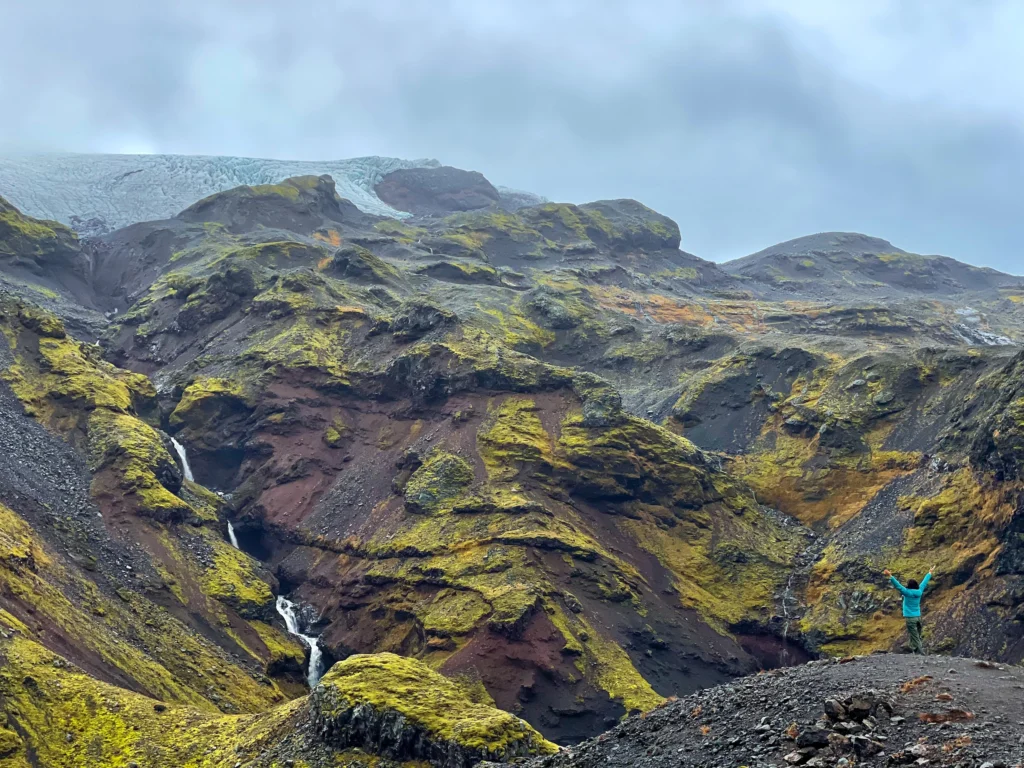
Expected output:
(748, 122)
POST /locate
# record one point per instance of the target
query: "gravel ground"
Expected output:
(884, 709)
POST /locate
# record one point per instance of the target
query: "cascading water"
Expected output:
(184, 460)
(285, 607)
(288, 612)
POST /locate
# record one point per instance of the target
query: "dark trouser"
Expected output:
(914, 633)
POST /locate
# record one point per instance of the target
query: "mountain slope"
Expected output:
(543, 452)
(846, 265)
(875, 710)
(412, 473)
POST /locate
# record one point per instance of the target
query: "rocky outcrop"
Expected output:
(401, 709)
(436, 191)
(42, 247)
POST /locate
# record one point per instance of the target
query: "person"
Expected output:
(912, 607)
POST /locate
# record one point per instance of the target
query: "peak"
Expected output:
(853, 243)
(842, 265)
(300, 204)
(437, 190)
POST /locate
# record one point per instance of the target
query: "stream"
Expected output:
(288, 610)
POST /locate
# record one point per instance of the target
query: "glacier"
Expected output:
(124, 189)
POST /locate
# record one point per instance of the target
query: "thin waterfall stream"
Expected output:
(288, 610)
(185, 468)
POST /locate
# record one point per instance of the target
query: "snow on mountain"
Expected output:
(123, 189)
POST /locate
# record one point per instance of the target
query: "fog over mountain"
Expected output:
(747, 122)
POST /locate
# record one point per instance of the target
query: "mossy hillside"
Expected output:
(429, 702)
(54, 375)
(134, 472)
(635, 459)
(956, 530)
(232, 580)
(126, 636)
(513, 437)
(58, 716)
(475, 561)
(67, 719)
(65, 385)
(285, 652)
(36, 243)
(137, 456)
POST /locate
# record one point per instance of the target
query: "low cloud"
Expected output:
(747, 122)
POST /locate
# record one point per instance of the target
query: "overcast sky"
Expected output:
(749, 122)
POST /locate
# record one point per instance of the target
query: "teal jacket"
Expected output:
(912, 597)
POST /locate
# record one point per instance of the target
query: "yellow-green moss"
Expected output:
(232, 579)
(281, 647)
(205, 397)
(453, 612)
(440, 480)
(430, 701)
(514, 436)
(135, 451)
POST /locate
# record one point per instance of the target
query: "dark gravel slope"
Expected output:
(892, 710)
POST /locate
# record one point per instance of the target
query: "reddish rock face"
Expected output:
(434, 191)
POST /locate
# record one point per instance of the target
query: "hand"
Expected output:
(887, 572)
(931, 569)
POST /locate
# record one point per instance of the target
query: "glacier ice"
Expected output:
(124, 189)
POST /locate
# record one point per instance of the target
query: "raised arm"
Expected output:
(895, 581)
(925, 580)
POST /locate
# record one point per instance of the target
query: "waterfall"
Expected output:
(286, 608)
(184, 460)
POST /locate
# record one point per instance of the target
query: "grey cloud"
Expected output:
(748, 123)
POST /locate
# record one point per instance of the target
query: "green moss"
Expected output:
(231, 579)
(604, 661)
(24, 237)
(454, 612)
(136, 453)
(437, 483)
(65, 372)
(176, 664)
(335, 434)
(305, 344)
(70, 720)
(512, 437)
(514, 328)
(282, 648)
(429, 702)
(207, 397)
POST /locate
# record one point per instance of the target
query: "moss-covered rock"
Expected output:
(42, 246)
(400, 708)
(437, 483)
